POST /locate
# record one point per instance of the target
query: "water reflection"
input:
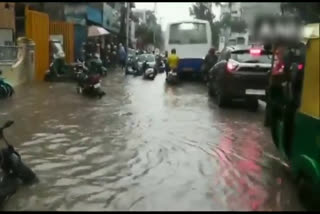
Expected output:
(144, 146)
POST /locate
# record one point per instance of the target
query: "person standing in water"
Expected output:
(173, 61)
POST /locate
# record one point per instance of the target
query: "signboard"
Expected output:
(75, 13)
(111, 19)
(6, 36)
(94, 15)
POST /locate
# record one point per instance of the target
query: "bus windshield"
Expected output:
(188, 33)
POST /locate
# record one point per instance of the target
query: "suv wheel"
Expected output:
(222, 99)
(205, 77)
(210, 89)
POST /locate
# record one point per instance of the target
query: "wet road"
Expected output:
(144, 146)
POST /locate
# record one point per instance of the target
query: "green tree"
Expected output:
(150, 32)
(236, 25)
(199, 10)
(308, 12)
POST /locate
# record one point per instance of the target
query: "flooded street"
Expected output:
(143, 146)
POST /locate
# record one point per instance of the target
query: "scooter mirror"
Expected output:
(8, 123)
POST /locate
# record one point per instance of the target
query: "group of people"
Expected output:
(111, 54)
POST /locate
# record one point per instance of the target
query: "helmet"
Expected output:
(212, 50)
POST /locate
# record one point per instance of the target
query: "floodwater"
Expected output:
(144, 146)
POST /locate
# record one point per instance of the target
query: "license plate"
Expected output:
(255, 92)
(97, 85)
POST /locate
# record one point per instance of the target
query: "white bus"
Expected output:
(192, 40)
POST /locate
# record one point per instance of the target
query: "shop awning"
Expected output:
(97, 31)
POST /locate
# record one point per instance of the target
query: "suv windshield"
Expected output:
(246, 57)
(146, 57)
(131, 52)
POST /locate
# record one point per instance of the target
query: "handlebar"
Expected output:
(6, 125)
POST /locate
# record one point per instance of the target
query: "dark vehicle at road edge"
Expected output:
(14, 171)
(240, 73)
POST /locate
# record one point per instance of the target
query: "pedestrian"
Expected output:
(122, 56)
(113, 54)
(108, 55)
(209, 61)
(173, 61)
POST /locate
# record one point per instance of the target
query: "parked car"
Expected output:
(240, 73)
(149, 58)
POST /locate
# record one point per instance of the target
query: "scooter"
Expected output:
(90, 85)
(6, 90)
(131, 66)
(95, 65)
(14, 171)
(172, 77)
(149, 72)
(59, 70)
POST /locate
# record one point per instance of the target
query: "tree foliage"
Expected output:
(308, 12)
(200, 11)
(150, 32)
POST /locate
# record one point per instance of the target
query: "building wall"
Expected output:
(7, 16)
(54, 10)
(141, 15)
(75, 13)
(234, 9)
(111, 19)
(251, 9)
(67, 31)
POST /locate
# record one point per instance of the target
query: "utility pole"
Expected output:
(127, 25)
(155, 24)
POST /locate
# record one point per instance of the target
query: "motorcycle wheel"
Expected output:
(23, 172)
(2, 92)
(8, 186)
(9, 89)
(5, 90)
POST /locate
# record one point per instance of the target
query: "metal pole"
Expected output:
(127, 26)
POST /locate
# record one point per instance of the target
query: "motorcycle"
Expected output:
(90, 85)
(59, 71)
(6, 90)
(149, 72)
(172, 77)
(95, 65)
(14, 171)
(131, 67)
(162, 67)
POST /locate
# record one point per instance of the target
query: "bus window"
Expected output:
(232, 42)
(240, 41)
(188, 33)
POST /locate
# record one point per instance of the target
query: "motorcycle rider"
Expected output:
(173, 61)
(209, 61)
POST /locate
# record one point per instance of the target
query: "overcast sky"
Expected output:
(173, 11)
